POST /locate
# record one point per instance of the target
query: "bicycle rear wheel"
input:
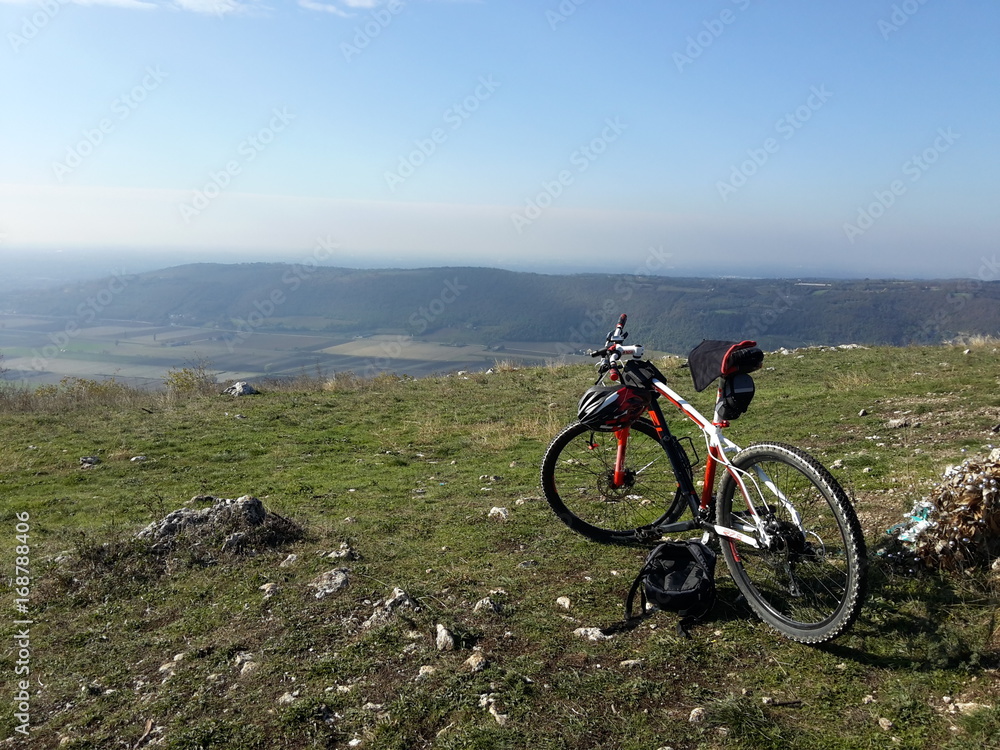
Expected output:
(577, 479)
(810, 579)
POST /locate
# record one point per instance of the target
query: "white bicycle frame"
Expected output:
(717, 446)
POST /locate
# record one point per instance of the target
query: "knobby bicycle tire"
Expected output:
(810, 584)
(577, 473)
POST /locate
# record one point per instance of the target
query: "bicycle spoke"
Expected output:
(807, 577)
(579, 479)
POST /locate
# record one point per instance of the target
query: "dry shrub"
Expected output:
(964, 519)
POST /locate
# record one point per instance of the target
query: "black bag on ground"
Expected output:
(678, 576)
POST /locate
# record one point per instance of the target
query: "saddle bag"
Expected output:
(714, 359)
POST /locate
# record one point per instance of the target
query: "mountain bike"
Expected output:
(786, 528)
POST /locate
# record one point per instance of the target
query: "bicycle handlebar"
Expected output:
(619, 334)
(614, 349)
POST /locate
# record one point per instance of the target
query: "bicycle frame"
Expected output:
(717, 445)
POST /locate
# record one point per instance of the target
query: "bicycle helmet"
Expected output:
(611, 407)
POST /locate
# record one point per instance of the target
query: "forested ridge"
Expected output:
(482, 305)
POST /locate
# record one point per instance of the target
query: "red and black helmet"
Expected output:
(612, 407)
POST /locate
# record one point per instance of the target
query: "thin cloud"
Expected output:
(132, 4)
(323, 8)
(204, 7)
(336, 9)
(210, 7)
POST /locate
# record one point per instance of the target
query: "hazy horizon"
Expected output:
(41, 268)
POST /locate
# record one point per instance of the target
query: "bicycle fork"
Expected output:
(619, 474)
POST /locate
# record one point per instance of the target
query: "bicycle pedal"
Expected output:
(647, 534)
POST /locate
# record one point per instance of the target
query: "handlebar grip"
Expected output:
(618, 334)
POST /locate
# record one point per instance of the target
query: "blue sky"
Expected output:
(857, 138)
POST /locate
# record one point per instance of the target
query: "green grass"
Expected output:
(392, 467)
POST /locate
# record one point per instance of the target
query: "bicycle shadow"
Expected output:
(906, 622)
(909, 621)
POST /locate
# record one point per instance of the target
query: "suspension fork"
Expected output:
(619, 474)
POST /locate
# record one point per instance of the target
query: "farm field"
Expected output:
(39, 349)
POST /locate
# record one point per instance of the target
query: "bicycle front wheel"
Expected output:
(578, 482)
(808, 578)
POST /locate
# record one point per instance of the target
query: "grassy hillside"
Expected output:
(489, 306)
(134, 647)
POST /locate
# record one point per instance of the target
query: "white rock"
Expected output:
(486, 605)
(477, 662)
(285, 699)
(385, 610)
(241, 388)
(345, 552)
(697, 716)
(330, 582)
(426, 671)
(501, 514)
(269, 589)
(288, 561)
(500, 718)
(445, 640)
(591, 634)
(564, 602)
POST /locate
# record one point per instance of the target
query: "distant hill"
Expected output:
(481, 305)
